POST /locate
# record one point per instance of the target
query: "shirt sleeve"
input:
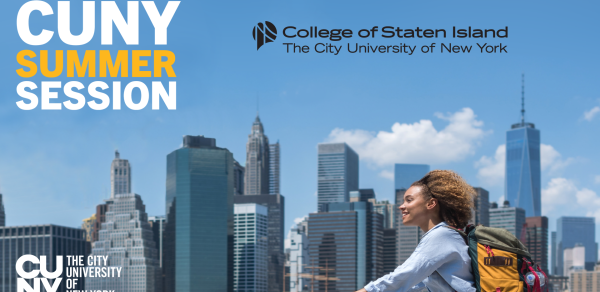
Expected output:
(433, 251)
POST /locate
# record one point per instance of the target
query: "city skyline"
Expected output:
(129, 182)
(364, 94)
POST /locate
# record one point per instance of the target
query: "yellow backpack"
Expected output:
(500, 262)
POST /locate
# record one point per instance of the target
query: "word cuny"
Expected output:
(110, 14)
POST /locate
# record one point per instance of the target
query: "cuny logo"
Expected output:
(22, 284)
(264, 33)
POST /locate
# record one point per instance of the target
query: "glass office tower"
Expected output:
(250, 248)
(571, 231)
(345, 246)
(337, 173)
(39, 240)
(276, 213)
(482, 208)
(2, 214)
(274, 168)
(523, 166)
(537, 240)
(157, 223)
(553, 252)
(198, 244)
(406, 174)
(509, 218)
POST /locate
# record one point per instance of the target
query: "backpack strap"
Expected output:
(462, 233)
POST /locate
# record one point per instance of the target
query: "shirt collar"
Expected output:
(443, 223)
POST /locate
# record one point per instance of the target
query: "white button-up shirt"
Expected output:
(440, 263)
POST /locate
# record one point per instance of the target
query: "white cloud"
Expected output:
(387, 174)
(300, 219)
(501, 200)
(563, 197)
(418, 142)
(559, 192)
(597, 179)
(589, 115)
(552, 160)
(491, 169)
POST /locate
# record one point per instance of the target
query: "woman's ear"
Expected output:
(432, 203)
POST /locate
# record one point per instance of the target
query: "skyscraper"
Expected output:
(274, 166)
(88, 227)
(572, 231)
(406, 174)
(275, 207)
(238, 178)
(337, 173)
(256, 180)
(157, 224)
(198, 241)
(585, 281)
(507, 217)
(553, 252)
(126, 238)
(2, 214)
(362, 195)
(387, 210)
(299, 257)
(536, 240)
(390, 253)
(523, 166)
(408, 237)
(120, 176)
(38, 240)
(345, 243)
(250, 248)
(573, 259)
(100, 218)
(482, 207)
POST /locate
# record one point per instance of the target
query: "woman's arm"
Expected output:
(436, 249)
(417, 287)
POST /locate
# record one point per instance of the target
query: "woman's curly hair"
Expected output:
(454, 195)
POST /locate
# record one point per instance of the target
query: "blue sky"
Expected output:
(452, 110)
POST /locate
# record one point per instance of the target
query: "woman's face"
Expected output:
(414, 209)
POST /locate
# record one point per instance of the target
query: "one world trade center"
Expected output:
(523, 166)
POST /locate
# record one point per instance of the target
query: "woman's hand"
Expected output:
(362, 290)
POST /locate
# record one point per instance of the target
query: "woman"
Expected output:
(441, 261)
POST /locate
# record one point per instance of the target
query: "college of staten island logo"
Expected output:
(264, 33)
